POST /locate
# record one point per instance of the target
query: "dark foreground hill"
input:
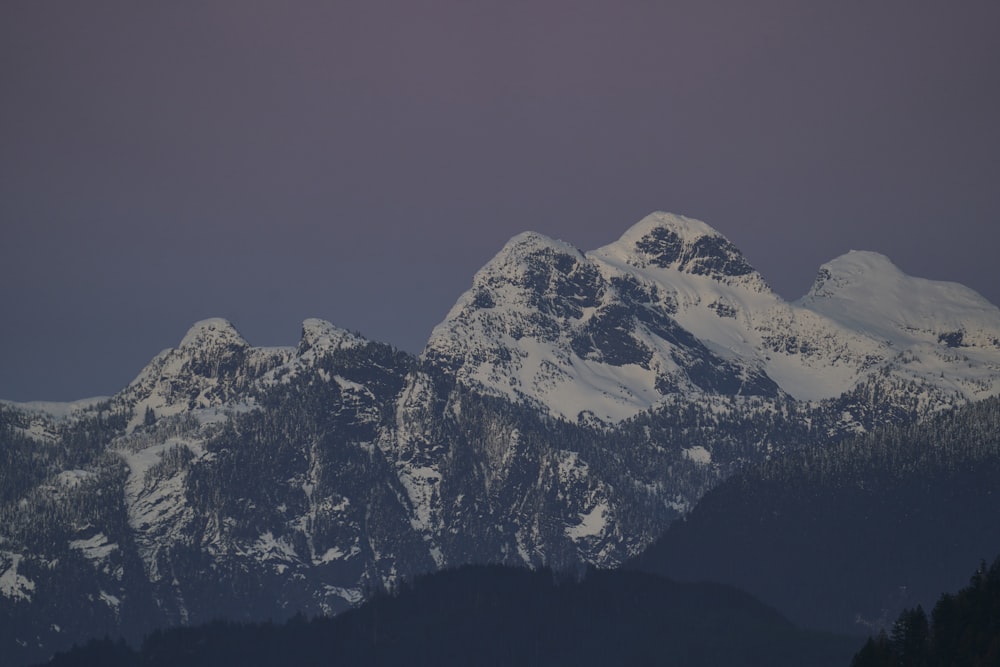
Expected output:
(502, 616)
(843, 538)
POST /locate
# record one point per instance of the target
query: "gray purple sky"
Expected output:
(359, 160)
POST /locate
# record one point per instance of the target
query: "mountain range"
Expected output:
(571, 406)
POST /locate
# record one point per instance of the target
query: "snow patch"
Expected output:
(592, 524)
(13, 585)
(95, 549)
(352, 596)
(112, 601)
(698, 454)
(336, 553)
(209, 329)
(271, 548)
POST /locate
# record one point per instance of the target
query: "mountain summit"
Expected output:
(669, 241)
(593, 335)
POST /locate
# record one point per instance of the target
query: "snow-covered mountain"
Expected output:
(673, 307)
(569, 407)
(577, 335)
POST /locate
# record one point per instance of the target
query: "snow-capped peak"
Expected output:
(674, 242)
(687, 229)
(212, 366)
(852, 270)
(525, 245)
(528, 273)
(594, 335)
(212, 330)
(322, 336)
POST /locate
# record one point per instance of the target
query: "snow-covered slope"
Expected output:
(866, 292)
(939, 334)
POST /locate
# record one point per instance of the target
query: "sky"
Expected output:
(359, 160)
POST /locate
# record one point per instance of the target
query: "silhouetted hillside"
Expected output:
(845, 537)
(501, 616)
